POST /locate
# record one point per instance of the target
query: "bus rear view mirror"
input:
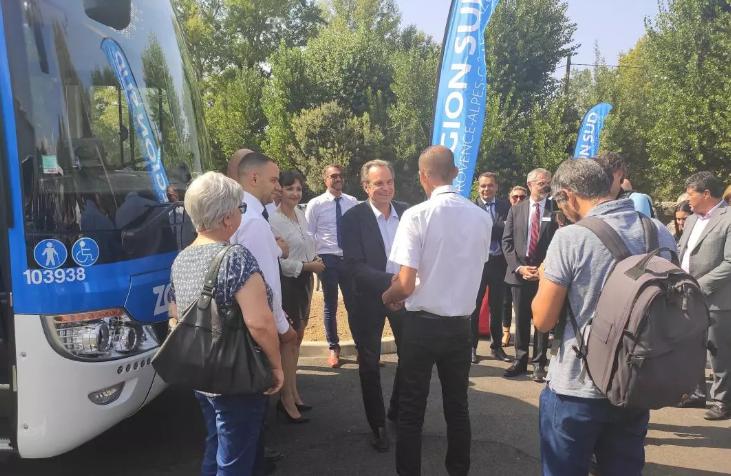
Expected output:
(113, 13)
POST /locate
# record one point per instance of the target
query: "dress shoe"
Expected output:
(283, 411)
(271, 455)
(499, 354)
(718, 411)
(303, 408)
(333, 359)
(539, 374)
(516, 369)
(269, 467)
(379, 440)
(474, 359)
(691, 402)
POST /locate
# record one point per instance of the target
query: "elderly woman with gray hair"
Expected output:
(233, 422)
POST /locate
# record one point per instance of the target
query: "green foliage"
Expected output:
(312, 82)
(526, 124)
(330, 134)
(525, 41)
(673, 97)
(235, 116)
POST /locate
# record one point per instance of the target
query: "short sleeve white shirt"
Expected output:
(447, 240)
(321, 224)
(256, 235)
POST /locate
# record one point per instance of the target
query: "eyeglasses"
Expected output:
(518, 197)
(242, 208)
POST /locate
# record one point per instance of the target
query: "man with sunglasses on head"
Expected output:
(324, 222)
(493, 273)
(516, 195)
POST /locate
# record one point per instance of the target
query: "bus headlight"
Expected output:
(99, 335)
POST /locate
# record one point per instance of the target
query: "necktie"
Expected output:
(490, 207)
(265, 214)
(338, 219)
(535, 228)
(494, 244)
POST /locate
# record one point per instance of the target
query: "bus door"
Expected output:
(7, 349)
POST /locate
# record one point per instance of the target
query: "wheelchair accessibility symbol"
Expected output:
(50, 254)
(85, 252)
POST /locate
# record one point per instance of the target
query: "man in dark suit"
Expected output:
(529, 229)
(493, 274)
(368, 232)
(705, 253)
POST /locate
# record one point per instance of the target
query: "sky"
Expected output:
(615, 24)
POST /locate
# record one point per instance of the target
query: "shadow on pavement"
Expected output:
(662, 470)
(692, 436)
(166, 437)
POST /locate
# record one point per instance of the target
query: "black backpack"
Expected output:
(647, 341)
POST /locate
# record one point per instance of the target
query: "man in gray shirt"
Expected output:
(575, 418)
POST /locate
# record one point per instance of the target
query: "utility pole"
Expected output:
(567, 78)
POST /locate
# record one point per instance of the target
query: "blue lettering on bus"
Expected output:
(142, 123)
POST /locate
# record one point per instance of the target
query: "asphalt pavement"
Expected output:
(165, 438)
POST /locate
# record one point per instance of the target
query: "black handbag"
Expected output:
(211, 349)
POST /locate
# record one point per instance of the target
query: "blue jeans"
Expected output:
(572, 429)
(331, 278)
(233, 424)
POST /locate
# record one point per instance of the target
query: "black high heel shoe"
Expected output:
(303, 408)
(290, 418)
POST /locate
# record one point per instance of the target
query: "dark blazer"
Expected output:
(710, 258)
(515, 238)
(502, 207)
(364, 255)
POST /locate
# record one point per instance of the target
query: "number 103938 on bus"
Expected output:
(54, 276)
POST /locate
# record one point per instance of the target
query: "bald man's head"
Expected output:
(437, 163)
(232, 170)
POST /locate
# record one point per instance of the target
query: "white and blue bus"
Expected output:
(101, 130)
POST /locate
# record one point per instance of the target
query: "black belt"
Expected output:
(429, 315)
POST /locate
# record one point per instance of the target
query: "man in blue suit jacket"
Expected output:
(368, 232)
(493, 274)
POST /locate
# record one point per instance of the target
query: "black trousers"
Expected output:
(522, 298)
(367, 330)
(446, 343)
(493, 276)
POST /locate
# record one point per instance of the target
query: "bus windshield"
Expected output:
(109, 127)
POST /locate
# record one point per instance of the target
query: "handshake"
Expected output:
(388, 298)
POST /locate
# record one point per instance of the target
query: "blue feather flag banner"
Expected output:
(461, 92)
(587, 144)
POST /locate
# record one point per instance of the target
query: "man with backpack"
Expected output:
(576, 418)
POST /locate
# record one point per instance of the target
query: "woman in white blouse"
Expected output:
(289, 223)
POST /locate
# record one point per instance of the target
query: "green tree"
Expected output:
(689, 49)
(525, 41)
(235, 116)
(526, 123)
(330, 134)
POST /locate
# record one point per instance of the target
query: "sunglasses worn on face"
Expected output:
(518, 197)
(242, 208)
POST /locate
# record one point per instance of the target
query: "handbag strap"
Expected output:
(212, 277)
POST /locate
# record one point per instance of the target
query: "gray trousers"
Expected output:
(719, 353)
